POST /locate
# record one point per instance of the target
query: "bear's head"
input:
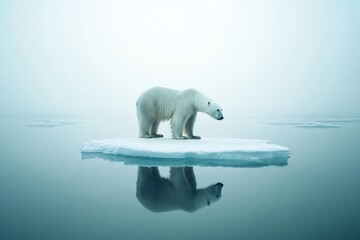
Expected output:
(213, 192)
(214, 110)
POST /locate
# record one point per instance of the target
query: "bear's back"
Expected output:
(158, 95)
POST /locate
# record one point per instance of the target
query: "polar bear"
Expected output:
(160, 104)
(159, 194)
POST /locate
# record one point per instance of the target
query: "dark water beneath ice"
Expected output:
(49, 192)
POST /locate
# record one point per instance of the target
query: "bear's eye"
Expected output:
(218, 110)
(208, 202)
(208, 102)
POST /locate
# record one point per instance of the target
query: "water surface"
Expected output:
(49, 192)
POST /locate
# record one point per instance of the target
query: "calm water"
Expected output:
(49, 192)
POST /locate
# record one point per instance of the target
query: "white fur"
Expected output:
(160, 194)
(160, 104)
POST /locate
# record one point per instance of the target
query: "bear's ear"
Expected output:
(208, 102)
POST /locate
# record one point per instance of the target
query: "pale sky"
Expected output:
(255, 58)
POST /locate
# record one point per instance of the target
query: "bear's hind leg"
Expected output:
(144, 128)
(154, 129)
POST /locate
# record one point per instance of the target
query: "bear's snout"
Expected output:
(218, 188)
(219, 115)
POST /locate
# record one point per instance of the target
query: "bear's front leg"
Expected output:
(189, 127)
(177, 127)
(194, 137)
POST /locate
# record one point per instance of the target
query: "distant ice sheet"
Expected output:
(317, 125)
(52, 123)
(282, 123)
(339, 120)
(205, 152)
(303, 124)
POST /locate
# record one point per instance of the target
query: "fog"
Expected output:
(255, 58)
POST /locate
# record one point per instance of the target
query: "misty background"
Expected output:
(255, 58)
(72, 70)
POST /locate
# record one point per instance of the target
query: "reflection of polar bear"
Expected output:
(179, 192)
(159, 104)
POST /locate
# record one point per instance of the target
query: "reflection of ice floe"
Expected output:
(205, 152)
(53, 123)
(317, 125)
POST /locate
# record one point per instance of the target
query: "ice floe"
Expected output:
(228, 152)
